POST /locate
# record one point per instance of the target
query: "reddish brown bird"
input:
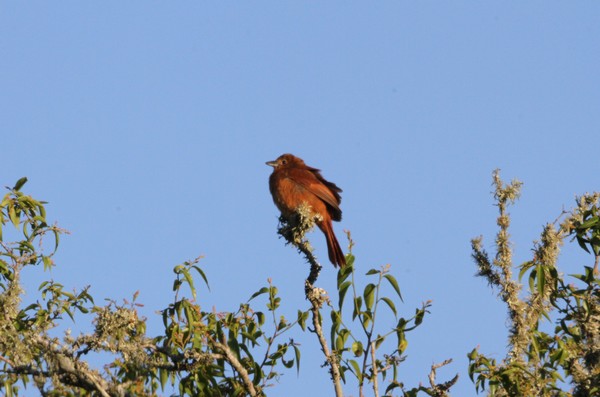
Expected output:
(293, 183)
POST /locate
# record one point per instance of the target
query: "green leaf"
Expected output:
(372, 271)
(12, 214)
(357, 307)
(402, 342)
(301, 319)
(357, 348)
(261, 291)
(532, 277)
(350, 261)
(201, 273)
(380, 339)
(164, 376)
(342, 292)
(339, 344)
(394, 283)
(369, 295)
(366, 318)
(589, 223)
(297, 354)
(343, 273)
(47, 262)
(524, 267)
(541, 279)
(391, 305)
(356, 369)
(20, 184)
(581, 241)
(190, 281)
(419, 314)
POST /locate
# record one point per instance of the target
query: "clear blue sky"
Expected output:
(146, 126)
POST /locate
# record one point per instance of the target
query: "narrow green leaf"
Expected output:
(394, 283)
(581, 241)
(201, 272)
(589, 223)
(372, 271)
(541, 279)
(532, 277)
(524, 267)
(356, 369)
(164, 376)
(297, 354)
(20, 183)
(261, 291)
(357, 307)
(190, 281)
(390, 304)
(12, 214)
(342, 292)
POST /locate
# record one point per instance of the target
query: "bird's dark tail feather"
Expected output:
(336, 255)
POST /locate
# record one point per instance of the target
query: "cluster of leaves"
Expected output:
(355, 345)
(356, 349)
(217, 351)
(201, 353)
(544, 358)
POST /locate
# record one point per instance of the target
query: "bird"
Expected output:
(293, 183)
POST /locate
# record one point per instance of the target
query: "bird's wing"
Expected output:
(311, 180)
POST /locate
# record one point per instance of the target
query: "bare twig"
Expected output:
(231, 359)
(440, 390)
(317, 297)
(294, 230)
(374, 366)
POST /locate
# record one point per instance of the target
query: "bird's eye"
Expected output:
(283, 161)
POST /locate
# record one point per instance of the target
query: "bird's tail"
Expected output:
(336, 255)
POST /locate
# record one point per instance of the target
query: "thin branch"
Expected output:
(374, 364)
(234, 362)
(440, 390)
(294, 230)
(316, 297)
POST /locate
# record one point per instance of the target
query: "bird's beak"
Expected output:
(272, 163)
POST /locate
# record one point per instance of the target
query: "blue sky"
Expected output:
(146, 126)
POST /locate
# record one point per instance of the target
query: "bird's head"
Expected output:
(285, 161)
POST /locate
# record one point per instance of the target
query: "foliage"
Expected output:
(540, 361)
(354, 342)
(201, 353)
(553, 339)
